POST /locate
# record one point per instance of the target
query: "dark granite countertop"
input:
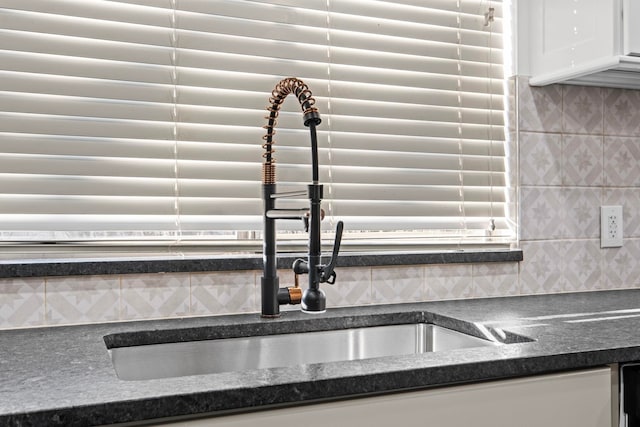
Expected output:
(64, 375)
(21, 265)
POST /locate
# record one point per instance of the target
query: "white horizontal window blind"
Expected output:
(141, 120)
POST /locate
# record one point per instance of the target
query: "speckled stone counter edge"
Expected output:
(174, 264)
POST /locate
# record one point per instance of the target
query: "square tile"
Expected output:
(621, 161)
(224, 292)
(621, 112)
(539, 108)
(540, 158)
(22, 302)
(582, 266)
(397, 284)
(621, 267)
(542, 215)
(541, 271)
(150, 296)
(582, 212)
(495, 280)
(582, 160)
(582, 109)
(448, 282)
(352, 287)
(629, 199)
(82, 299)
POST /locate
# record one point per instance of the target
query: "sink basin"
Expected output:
(165, 360)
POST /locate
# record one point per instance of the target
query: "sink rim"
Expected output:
(245, 354)
(322, 322)
(245, 327)
(305, 323)
(317, 323)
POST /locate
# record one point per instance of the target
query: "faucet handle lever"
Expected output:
(328, 275)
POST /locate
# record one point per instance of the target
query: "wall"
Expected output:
(578, 150)
(573, 149)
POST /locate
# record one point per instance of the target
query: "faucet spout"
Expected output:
(313, 298)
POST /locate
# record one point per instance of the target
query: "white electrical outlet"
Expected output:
(611, 226)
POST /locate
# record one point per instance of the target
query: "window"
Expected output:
(141, 120)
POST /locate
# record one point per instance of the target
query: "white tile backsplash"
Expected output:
(352, 287)
(629, 199)
(542, 216)
(622, 266)
(22, 302)
(152, 296)
(582, 110)
(223, 292)
(621, 161)
(495, 280)
(582, 212)
(447, 282)
(582, 160)
(600, 166)
(539, 108)
(582, 265)
(541, 158)
(397, 284)
(82, 299)
(621, 112)
(541, 272)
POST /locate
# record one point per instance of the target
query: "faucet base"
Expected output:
(270, 316)
(314, 301)
(270, 296)
(313, 312)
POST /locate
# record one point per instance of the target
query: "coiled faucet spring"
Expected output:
(278, 95)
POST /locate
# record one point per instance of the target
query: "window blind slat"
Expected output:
(98, 29)
(154, 13)
(73, 106)
(92, 205)
(84, 87)
(24, 143)
(52, 44)
(371, 95)
(85, 185)
(47, 64)
(51, 124)
(87, 166)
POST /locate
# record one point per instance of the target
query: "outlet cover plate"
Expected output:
(611, 227)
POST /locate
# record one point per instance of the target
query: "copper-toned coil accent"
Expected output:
(278, 95)
(270, 133)
(269, 173)
(266, 155)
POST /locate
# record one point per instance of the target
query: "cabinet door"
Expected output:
(574, 399)
(567, 34)
(631, 27)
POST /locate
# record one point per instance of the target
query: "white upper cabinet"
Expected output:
(588, 42)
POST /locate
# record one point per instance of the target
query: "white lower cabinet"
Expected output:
(580, 399)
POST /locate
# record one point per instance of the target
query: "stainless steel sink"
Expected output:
(257, 352)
